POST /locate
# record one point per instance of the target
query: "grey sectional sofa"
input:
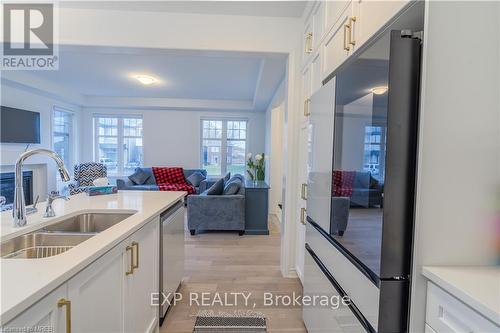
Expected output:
(217, 212)
(150, 184)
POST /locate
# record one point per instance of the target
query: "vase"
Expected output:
(260, 174)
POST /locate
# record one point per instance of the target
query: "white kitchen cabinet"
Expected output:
(318, 23)
(307, 40)
(112, 294)
(336, 47)
(96, 295)
(45, 313)
(333, 11)
(142, 259)
(370, 16)
(316, 74)
(306, 92)
(302, 197)
(447, 314)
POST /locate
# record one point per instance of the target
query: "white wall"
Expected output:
(44, 169)
(172, 137)
(274, 148)
(459, 154)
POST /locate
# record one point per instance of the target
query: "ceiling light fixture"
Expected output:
(145, 79)
(379, 90)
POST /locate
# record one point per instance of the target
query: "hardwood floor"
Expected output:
(227, 263)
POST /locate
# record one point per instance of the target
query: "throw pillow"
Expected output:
(217, 188)
(195, 178)
(165, 175)
(103, 181)
(226, 177)
(139, 177)
(236, 177)
(232, 187)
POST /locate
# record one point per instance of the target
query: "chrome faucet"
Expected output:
(19, 205)
(49, 211)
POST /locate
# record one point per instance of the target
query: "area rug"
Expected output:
(214, 324)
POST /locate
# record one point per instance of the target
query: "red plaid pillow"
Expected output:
(342, 182)
(168, 175)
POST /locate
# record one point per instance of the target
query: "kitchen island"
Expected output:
(104, 282)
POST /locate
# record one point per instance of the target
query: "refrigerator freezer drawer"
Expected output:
(360, 289)
(325, 319)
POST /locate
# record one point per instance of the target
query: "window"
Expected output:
(62, 134)
(373, 158)
(118, 143)
(223, 146)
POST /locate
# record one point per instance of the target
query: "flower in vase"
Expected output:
(258, 157)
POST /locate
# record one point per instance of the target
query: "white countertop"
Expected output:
(25, 281)
(478, 287)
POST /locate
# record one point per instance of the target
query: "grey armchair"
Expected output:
(217, 212)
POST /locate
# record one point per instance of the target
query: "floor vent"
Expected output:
(206, 324)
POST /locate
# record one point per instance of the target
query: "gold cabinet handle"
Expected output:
(131, 270)
(307, 113)
(303, 216)
(136, 264)
(64, 302)
(303, 191)
(346, 45)
(309, 43)
(352, 40)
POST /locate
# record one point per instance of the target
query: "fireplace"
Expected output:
(7, 185)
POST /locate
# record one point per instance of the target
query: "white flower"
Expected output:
(258, 157)
(249, 156)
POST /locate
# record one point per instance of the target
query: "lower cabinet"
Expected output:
(447, 314)
(113, 294)
(44, 314)
(96, 295)
(142, 259)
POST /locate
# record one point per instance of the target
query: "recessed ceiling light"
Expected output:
(145, 79)
(379, 90)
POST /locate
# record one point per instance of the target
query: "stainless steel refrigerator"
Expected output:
(361, 185)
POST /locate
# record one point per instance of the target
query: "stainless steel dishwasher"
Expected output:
(171, 253)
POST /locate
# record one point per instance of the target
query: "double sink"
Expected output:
(59, 237)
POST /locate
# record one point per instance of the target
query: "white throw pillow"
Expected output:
(101, 181)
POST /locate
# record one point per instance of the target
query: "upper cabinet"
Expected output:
(314, 29)
(369, 16)
(333, 30)
(307, 39)
(318, 23)
(333, 11)
(337, 45)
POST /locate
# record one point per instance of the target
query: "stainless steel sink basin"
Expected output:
(59, 237)
(88, 222)
(41, 245)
